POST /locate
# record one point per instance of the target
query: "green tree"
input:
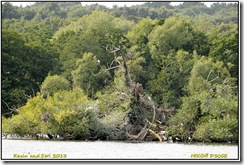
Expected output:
(9, 11)
(27, 13)
(98, 33)
(185, 57)
(175, 33)
(193, 9)
(28, 118)
(166, 87)
(24, 68)
(15, 83)
(72, 115)
(86, 75)
(53, 84)
(170, 84)
(114, 97)
(69, 114)
(41, 61)
(140, 62)
(226, 50)
(79, 12)
(212, 103)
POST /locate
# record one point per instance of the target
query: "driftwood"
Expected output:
(155, 134)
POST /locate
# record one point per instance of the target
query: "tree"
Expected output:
(41, 60)
(194, 8)
(205, 71)
(204, 115)
(69, 53)
(125, 73)
(24, 68)
(85, 75)
(114, 97)
(79, 12)
(170, 84)
(28, 119)
(68, 114)
(92, 33)
(226, 50)
(140, 62)
(230, 11)
(14, 71)
(175, 33)
(53, 84)
(9, 11)
(27, 13)
(72, 115)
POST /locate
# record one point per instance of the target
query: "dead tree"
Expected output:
(137, 125)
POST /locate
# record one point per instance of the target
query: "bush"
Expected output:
(70, 114)
(111, 125)
(225, 129)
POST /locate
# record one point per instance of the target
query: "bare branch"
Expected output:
(105, 47)
(209, 75)
(105, 70)
(11, 109)
(110, 67)
(27, 96)
(214, 79)
(113, 50)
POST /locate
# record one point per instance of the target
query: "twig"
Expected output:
(11, 109)
(209, 75)
(110, 67)
(214, 79)
(105, 70)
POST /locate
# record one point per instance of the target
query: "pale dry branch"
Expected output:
(209, 75)
(105, 70)
(11, 109)
(113, 50)
(214, 79)
(110, 66)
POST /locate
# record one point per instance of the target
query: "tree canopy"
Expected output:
(146, 72)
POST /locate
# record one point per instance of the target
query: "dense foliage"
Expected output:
(91, 72)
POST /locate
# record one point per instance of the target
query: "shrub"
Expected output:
(225, 129)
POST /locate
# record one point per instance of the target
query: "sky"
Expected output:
(108, 4)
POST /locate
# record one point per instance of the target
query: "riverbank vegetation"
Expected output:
(146, 72)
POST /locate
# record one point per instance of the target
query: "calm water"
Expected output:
(112, 150)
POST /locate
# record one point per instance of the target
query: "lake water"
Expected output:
(47, 149)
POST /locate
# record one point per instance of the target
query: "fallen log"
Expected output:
(155, 134)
